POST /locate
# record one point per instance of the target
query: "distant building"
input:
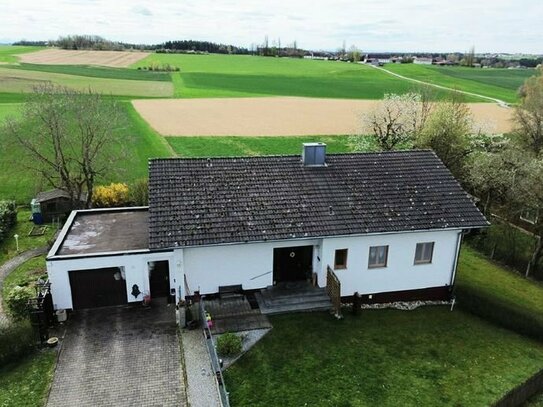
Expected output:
(423, 61)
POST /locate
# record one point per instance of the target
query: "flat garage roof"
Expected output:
(102, 231)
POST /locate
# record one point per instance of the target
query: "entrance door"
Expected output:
(159, 278)
(97, 288)
(292, 263)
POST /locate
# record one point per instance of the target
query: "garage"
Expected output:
(102, 287)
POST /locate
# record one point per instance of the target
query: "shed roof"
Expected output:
(226, 200)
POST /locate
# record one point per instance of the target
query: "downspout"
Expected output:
(455, 262)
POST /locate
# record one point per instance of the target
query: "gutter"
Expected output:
(457, 255)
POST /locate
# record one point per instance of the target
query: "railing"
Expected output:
(333, 289)
(520, 394)
(215, 363)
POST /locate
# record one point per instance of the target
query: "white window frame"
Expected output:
(378, 265)
(530, 216)
(424, 249)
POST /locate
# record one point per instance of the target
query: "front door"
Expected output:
(292, 263)
(159, 278)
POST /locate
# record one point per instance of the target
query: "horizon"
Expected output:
(502, 26)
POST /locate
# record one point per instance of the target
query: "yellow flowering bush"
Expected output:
(109, 196)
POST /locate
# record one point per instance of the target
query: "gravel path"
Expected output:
(201, 384)
(15, 262)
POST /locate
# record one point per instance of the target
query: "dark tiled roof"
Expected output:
(222, 200)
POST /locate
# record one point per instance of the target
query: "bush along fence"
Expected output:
(520, 394)
(215, 361)
(8, 217)
(506, 315)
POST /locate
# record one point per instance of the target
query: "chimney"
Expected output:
(314, 154)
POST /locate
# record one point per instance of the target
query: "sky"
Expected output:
(371, 25)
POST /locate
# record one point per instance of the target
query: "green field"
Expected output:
(427, 357)
(21, 81)
(202, 146)
(241, 75)
(496, 83)
(8, 53)
(96, 72)
(139, 143)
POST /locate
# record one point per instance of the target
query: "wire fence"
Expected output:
(215, 361)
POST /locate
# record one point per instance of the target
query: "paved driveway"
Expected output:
(121, 356)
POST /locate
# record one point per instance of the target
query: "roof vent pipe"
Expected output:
(314, 154)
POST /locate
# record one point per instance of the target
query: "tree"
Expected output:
(67, 137)
(447, 132)
(395, 122)
(529, 115)
(469, 57)
(353, 54)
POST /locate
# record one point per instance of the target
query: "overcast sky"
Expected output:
(371, 25)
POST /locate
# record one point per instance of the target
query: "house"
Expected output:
(51, 205)
(388, 224)
(423, 60)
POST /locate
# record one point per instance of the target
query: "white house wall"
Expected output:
(249, 264)
(400, 273)
(135, 268)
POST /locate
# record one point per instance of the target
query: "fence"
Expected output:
(523, 392)
(333, 288)
(215, 363)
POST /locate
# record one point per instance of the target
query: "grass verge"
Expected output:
(430, 356)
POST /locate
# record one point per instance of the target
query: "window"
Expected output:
(378, 256)
(340, 260)
(424, 253)
(530, 216)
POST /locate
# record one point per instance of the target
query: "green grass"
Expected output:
(25, 275)
(9, 109)
(202, 146)
(427, 357)
(26, 383)
(8, 248)
(496, 83)
(139, 144)
(8, 53)
(96, 72)
(477, 272)
(241, 75)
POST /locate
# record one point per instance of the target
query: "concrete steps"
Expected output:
(280, 300)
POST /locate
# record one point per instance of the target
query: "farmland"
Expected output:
(9, 54)
(496, 83)
(83, 57)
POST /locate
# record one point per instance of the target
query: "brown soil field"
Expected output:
(115, 59)
(279, 116)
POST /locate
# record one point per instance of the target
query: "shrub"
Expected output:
(228, 344)
(17, 300)
(507, 315)
(8, 217)
(139, 192)
(110, 196)
(16, 341)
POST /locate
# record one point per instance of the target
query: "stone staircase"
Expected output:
(292, 297)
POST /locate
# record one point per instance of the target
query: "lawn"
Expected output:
(8, 248)
(241, 75)
(9, 109)
(477, 273)
(139, 143)
(497, 83)
(430, 356)
(26, 383)
(21, 81)
(8, 53)
(229, 146)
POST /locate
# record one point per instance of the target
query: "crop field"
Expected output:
(9, 54)
(280, 116)
(21, 81)
(96, 71)
(241, 75)
(54, 56)
(497, 83)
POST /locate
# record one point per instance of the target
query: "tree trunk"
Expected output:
(538, 250)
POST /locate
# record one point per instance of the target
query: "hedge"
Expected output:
(8, 217)
(507, 315)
